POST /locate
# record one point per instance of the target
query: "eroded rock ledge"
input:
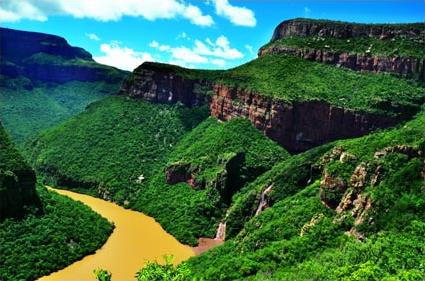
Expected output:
(402, 66)
(296, 126)
(307, 27)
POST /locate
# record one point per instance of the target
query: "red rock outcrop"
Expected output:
(163, 86)
(408, 67)
(297, 126)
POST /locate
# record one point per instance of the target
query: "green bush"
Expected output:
(41, 243)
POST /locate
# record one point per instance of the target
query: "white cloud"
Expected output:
(187, 55)
(307, 11)
(194, 14)
(154, 44)
(221, 48)
(93, 36)
(218, 62)
(215, 53)
(121, 57)
(102, 10)
(164, 48)
(183, 35)
(237, 15)
(250, 49)
(13, 11)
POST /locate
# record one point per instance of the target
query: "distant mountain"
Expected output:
(44, 81)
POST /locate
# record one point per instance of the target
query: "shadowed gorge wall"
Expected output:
(17, 180)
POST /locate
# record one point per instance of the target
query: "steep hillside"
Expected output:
(137, 154)
(17, 181)
(47, 239)
(284, 95)
(349, 210)
(40, 231)
(394, 48)
(189, 195)
(111, 146)
(44, 81)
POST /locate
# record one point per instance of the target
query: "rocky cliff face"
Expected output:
(409, 67)
(49, 58)
(307, 27)
(296, 126)
(164, 87)
(17, 181)
(402, 66)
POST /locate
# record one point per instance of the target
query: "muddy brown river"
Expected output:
(136, 239)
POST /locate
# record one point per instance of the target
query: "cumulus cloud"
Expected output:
(93, 36)
(194, 14)
(102, 10)
(154, 44)
(13, 11)
(307, 11)
(216, 52)
(250, 49)
(187, 55)
(237, 15)
(218, 62)
(121, 57)
(221, 48)
(183, 35)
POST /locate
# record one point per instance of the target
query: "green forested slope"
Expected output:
(44, 81)
(120, 148)
(219, 159)
(27, 111)
(50, 238)
(293, 79)
(371, 188)
(107, 148)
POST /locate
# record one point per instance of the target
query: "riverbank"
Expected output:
(136, 239)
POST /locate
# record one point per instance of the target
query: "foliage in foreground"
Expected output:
(154, 271)
(39, 244)
(102, 274)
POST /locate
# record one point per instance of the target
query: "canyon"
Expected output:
(297, 126)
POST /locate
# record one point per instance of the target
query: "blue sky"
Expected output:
(197, 34)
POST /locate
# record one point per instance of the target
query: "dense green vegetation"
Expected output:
(405, 46)
(10, 158)
(17, 181)
(300, 238)
(153, 271)
(26, 110)
(124, 143)
(206, 153)
(398, 26)
(127, 146)
(349, 210)
(49, 239)
(291, 79)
